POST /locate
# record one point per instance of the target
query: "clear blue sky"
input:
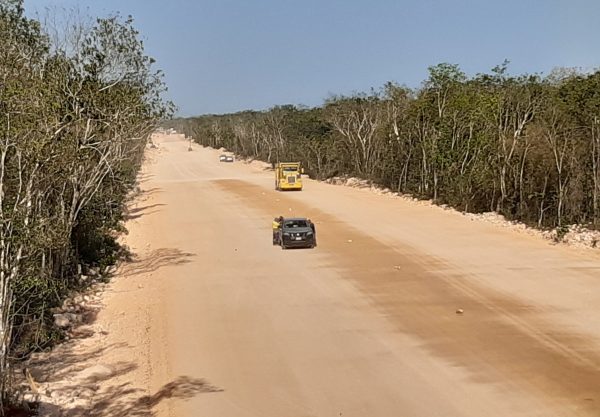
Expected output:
(228, 55)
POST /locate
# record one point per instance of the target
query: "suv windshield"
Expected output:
(290, 224)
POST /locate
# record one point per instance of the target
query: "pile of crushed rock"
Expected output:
(37, 384)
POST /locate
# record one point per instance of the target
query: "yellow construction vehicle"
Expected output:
(288, 176)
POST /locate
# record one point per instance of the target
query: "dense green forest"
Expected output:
(525, 146)
(76, 109)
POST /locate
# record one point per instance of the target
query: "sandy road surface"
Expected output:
(363, 325)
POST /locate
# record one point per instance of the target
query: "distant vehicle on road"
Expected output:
(296, 232)
(222, 158)
(229, 158)
(288, 176)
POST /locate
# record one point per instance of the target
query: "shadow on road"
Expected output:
(73, 383)
(50, 371)
(144, 177)
(136, 213)
(82, 395)
(123, 400)
(155, 260)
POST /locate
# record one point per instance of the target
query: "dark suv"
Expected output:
(297, 232)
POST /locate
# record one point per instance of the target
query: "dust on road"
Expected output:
(363, 325)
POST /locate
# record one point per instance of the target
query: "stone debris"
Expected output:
(572, 235)
(67, 320)
(95, 373)
(77, 391)
(62, 321)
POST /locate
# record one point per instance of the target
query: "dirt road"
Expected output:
(363, 325)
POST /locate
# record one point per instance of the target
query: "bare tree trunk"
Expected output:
(543, 198)
(596, 169)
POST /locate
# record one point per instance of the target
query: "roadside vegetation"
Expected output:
(77, 104)
(527, 147)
